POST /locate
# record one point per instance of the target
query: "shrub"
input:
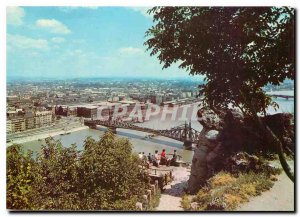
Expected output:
(232, 200)
(154, 202)
(225, 191)
(104, 176)
(221, 179)
(185, 202)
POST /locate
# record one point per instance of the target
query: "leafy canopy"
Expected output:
(238, 49)
(105, 176)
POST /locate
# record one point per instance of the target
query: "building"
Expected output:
(107, 108)
(12, 100)
(9, 127)
(159, 99)
(11, 114)
(115, 99)
(29, 120)
(72, 111)
(87, 111)
(65, 110)
(15, 125)
(121, 97)
(43, 118)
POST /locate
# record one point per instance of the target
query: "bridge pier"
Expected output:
(187, 144)
(91, 126)
(113, 129)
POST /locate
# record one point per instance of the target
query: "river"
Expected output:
(286, 106)
(148, 145)
(137, 139)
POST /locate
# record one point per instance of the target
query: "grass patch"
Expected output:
(226, 191)
(154, 202)
(221, 179)
(185, 202)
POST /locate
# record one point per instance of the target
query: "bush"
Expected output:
(185, 202)
(104, 176)
(221, 179)
(226, 191)
(154, 202)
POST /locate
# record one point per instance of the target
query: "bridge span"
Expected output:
(281, 96)
(184, 133)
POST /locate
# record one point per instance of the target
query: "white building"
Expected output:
(15, 125)
(43, 118)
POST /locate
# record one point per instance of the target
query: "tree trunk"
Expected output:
(280, 153)
(272, 138)
(279, 148)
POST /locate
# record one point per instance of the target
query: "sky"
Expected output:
(67, 42)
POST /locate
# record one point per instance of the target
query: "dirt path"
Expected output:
(279, 198)
(171, 197)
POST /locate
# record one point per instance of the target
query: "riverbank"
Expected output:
(44, 135)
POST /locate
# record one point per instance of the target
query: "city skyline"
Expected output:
(72, 42)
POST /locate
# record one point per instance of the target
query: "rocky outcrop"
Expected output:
(206, 152)
(244, 162)
(225, 135)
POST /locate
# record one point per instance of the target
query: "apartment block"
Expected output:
(43, 118)
(15, 125)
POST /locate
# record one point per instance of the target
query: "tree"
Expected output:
(110, 175)
(239, 50)
(56, 177)
(104, 176)
(19, 178)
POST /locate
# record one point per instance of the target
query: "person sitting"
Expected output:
(153, 159)
(173, 161)
(140, 155)
(156, 159)
(163, 158)
(163, 153)
(150, 158)
(144, 157)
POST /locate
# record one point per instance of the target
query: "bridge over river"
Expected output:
(184, 133)
(280, 95)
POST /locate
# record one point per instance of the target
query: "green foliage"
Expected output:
(118, 175)
(238, 49)
(105, 176)
(185, 202)
(154, 202)
(19, 178)
(56, 177)
(225, 191)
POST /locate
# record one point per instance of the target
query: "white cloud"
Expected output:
(130, 50)
(14, 15)
(23, 42)
(58, 39)
(142, 10)
(53, 26)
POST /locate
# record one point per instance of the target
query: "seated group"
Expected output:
(160, 159)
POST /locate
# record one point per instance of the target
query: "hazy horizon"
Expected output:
(20, 77)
